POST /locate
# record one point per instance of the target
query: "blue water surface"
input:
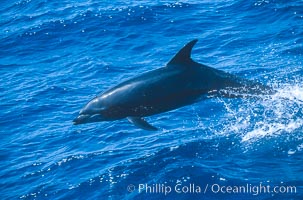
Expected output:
(57, 55)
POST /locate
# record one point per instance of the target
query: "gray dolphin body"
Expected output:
(181, 82)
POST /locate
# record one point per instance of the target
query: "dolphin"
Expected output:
(181, 82)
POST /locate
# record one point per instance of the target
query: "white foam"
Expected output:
(280, 113)
(271, 129)
(269, 116)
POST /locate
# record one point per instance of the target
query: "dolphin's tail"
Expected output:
(247, 91)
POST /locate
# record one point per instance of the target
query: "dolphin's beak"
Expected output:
(81, 119)
(86, 118)
(91, 112)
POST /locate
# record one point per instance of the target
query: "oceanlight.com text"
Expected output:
(251, 189)
(193, 188)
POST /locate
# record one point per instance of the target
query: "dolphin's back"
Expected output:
(152, 92)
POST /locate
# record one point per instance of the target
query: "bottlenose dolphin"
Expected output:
(181, 82)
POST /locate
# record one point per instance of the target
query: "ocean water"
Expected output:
(57, 55)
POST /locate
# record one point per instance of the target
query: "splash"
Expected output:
(282, 114)
(268, 116)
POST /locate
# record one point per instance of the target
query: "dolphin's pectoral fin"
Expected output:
(141, 123)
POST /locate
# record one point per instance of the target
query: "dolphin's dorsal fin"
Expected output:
(183, 56)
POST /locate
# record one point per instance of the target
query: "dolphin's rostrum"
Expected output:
(181, 82)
